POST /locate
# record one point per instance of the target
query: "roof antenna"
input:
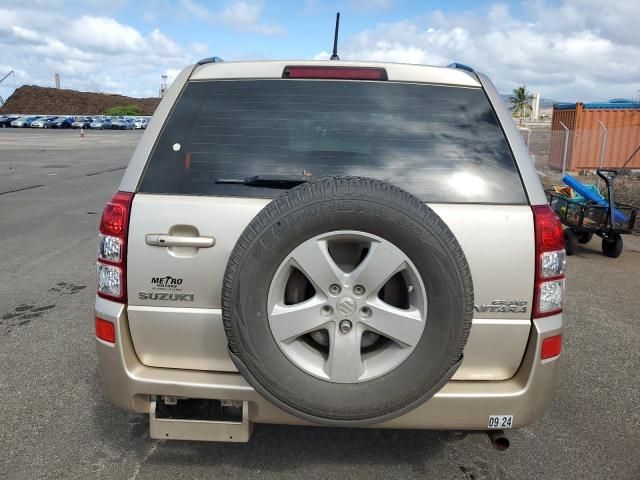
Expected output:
(335, 56)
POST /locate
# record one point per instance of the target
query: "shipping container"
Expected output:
(602, 134)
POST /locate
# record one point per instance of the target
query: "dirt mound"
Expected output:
(30, 99)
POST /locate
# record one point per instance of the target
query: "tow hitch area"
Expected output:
(200, 419)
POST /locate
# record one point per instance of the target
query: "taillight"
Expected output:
(335, 73)
(112, 248)
(551, 262)
(551, 347)
(105, 330)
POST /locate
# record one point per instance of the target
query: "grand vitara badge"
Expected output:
(503, 306)
(166, 288)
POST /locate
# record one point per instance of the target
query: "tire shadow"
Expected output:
(585, 250)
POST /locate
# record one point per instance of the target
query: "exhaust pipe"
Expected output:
(498, 439)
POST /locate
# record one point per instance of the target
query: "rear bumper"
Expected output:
(460, 405)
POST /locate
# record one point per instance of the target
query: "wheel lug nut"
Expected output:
(345, 326)
(334, 289)
(365, 311)
(358, 290)
(326, 311)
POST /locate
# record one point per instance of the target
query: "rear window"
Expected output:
(441, 143)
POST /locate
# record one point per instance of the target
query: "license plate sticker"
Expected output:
(500, 422)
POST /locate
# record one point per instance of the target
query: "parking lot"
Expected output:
(56, 423)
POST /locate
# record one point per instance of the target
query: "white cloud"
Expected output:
(309, 7)
(239, 15)
(322, 56)
(171, 74)
(150, 17)
(26, 35)
(106, 34)
(93, 53)
(577, 50)
(369, 5)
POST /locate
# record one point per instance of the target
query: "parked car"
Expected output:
(100, 124)
(5, 120)
(82, 122)
(122, 124)
(372, 247)
(63, 122)
(43, 122)
(140, 123)
(23, 122)
(39, 123)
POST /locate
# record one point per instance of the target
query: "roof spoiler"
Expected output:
(460, 66)
(204, 61)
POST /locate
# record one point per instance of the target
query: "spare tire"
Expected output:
(347, 301)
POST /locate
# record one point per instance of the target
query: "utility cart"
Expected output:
(593, 214)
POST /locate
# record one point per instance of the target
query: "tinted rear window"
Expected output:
(443, 144)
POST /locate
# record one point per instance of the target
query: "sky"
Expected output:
(566, 50)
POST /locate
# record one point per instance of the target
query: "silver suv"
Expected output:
(333, 243)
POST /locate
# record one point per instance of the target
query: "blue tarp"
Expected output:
(595, 196)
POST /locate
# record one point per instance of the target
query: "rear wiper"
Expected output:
(269, 180)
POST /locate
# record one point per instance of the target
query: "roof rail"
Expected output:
(460, 66)
(210, 60)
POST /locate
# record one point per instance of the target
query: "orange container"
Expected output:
(586, 135)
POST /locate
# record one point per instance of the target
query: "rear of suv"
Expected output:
(333, 243)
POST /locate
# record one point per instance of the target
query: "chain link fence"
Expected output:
(582, 152)
(537, 137)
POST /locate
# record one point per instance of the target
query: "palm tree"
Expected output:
(520, 101)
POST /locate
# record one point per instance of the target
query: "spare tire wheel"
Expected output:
(347, 301)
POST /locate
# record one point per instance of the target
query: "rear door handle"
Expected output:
(166, 240)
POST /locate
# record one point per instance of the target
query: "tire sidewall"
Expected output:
(612, 247)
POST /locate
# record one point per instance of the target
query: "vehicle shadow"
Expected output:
(280, 448)
(631, 244)
(277, 449)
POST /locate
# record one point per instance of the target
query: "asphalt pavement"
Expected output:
(56, 423)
